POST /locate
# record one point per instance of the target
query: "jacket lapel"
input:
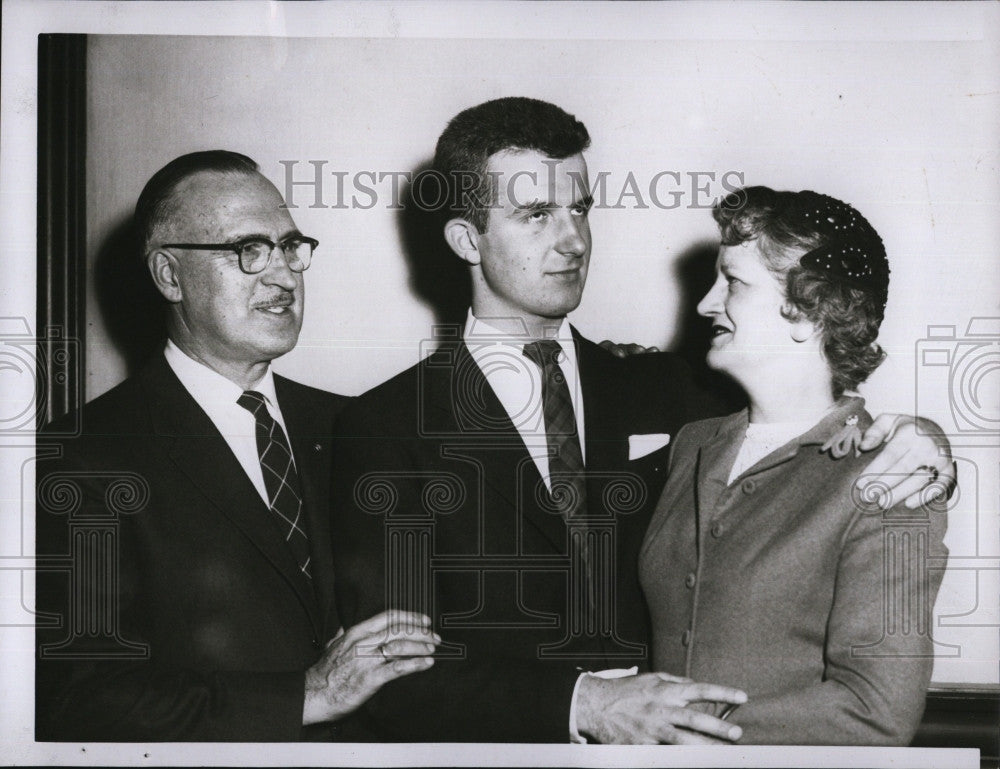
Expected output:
(716, 457)
(606, 440)
(312, 446)
(777, 457)
(471, 409)
(715, 460)
(833, 421)
(201, 453)
(615, 486)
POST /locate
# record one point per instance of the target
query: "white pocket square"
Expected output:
(641, 445)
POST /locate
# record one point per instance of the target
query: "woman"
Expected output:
(760, 568)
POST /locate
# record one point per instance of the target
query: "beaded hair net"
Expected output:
(852, 251)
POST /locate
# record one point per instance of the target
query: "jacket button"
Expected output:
(749, 486)
(686, 638)
(717, 530)
(690, 579)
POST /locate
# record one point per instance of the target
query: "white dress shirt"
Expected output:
(217, 397)
(517, 382)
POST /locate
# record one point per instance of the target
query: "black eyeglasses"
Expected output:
(255, 253)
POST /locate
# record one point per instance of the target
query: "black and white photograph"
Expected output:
(500, 383)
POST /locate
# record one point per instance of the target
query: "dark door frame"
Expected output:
(61, 220)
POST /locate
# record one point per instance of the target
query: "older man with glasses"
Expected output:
(205, 610)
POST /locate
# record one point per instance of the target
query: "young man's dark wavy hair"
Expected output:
(511, 123)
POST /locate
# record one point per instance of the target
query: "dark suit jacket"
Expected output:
(172, 609)
(788, 585)
(430, 469)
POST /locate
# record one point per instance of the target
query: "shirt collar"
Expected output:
(209, 386)
(835, 419)
(482, 332)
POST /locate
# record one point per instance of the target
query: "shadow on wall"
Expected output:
(131, 308)
(437, 276)
(694, 272)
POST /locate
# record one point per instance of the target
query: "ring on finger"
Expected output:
(381, 650)
(934, 473)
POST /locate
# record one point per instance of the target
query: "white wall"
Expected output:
(905, 130)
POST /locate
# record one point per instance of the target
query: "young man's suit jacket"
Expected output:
(429, 468)
(201, 624)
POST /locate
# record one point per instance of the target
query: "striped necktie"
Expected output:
(280, 478)
(566, 471)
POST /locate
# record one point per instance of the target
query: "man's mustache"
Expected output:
(284, 299)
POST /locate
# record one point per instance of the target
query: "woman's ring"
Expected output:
(932, 470)
(381, 650)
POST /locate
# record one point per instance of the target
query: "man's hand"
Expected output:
(915, 466)
(356, 664)
(652, 708)
(624, 350)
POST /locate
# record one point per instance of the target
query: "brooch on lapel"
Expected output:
(846, 439)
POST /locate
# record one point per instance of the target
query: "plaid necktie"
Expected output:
(280, 479)
(566, 470)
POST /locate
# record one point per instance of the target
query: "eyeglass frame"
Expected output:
(239, 245)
